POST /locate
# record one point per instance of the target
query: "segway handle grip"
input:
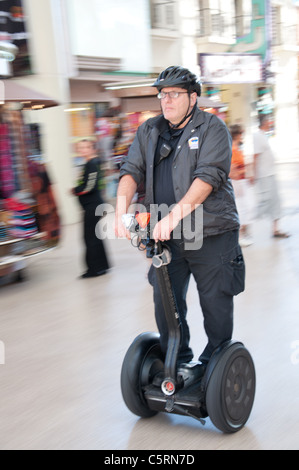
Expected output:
(162, 259)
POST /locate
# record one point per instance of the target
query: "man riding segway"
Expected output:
(183, 156)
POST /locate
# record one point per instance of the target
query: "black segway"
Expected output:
(224, 390)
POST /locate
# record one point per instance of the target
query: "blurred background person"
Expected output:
(265, 178)
(105, 139)
(90, 197)
(241, 184)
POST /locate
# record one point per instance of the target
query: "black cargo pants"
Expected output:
(219, 272)
(95, 255)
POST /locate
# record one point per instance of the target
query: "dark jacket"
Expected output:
(204, 151)
(88, 188)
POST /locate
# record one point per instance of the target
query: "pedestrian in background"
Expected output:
(241, 184)
(89, 196)
(265, 178)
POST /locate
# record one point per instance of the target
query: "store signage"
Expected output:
(231, 68)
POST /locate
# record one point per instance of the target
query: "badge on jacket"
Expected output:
(193, 143)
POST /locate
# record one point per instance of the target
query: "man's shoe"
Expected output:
(89, 274)
(191, 371)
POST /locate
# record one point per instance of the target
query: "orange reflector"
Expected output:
(143, 219)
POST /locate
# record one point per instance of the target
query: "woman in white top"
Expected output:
(264, 174)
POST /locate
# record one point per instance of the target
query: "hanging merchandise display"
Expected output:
(29, 220)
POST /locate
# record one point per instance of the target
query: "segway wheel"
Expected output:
(142, 362)
(231, 389)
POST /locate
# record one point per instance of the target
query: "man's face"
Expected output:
(175, 109)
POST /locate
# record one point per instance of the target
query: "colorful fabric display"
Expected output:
(23, 223)
(21, 175)
(7, 177)
(3, 232)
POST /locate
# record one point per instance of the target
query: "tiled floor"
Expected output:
(65, 339)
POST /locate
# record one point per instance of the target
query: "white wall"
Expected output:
(286, 108)
(114, 28)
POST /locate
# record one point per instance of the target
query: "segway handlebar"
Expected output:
(139, 226)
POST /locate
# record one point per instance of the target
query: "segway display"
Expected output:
(223, 390)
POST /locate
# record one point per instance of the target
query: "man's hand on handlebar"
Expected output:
(163, 229)
(120, 229)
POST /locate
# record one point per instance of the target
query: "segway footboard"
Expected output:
(224, 393)
(187, 401)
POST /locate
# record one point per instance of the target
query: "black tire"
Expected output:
(142, 362)
(231, 389)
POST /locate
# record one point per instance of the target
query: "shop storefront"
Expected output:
(29, 219)
(112, 128)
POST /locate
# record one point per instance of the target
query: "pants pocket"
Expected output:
(233, 272)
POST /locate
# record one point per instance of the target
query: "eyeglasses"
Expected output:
(171, 94)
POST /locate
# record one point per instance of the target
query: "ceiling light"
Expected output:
(72, 110)
(121, 86)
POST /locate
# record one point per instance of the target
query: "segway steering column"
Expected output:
(161, 259)
(140, 226)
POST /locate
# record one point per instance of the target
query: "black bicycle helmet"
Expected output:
(176, 76)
